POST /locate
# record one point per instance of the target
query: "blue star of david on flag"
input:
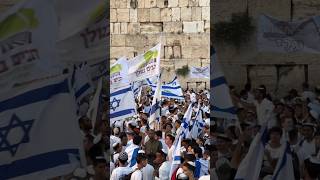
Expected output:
(114, 104)
(15, 123)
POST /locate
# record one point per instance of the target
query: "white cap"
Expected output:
(133, 123)
(141, 152)
(191, 163)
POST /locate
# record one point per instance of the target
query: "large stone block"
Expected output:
(194, 3)
(150, 28)
(172, 27)
(183, 3)
(176, 14)
(113, 4)
(200, 26)
(117, 52)
(196, 13)
(135, 41)
(168, 52)
(124, 28)
(196, 40)
(177, 51)
(113, 15)
(123, 15)
(173, 3)
(155, 15)
(186, 52)
(207, 26)
(204, 2)
(206, 13)
(134, 28)
(143, 15)
(166, 14)
(111, 28)
(121, 3)
(200, 52)
(116, 28)
(140, 3)
(160, 3)
(150, 3)
(186, 14)
(118, 40)
(190, 27)
(133, 15)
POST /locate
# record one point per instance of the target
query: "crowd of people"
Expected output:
(141, 152)
(293, 118)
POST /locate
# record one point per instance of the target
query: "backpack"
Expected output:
(127, 176)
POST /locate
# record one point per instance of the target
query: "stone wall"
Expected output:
(182, 26)
(260, 68)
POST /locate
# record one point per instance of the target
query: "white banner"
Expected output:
(122, 104)
(119, 73)
(200, 72)
(39, 131)
(146, 65)
(23, 30)
(89, 43)
(289, 37)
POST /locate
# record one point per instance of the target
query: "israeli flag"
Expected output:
(95, 109)
(222, 106)
(122, 104)
(176, 160)
(155, 107)
(197, 126)
(39, 131)
(81, 82)
(185, 122)
(284, 168)
(170, 90)
(250, 166)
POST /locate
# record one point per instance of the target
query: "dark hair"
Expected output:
(190, 167)
(137, 139)
(159, 133)
(198, 150)
(122, 135)
(141, 157)
(122, 161)
(171, 137)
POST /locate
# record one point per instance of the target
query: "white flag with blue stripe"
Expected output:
(222, 105)
(250, 166)
(170, 90)
(176, 159)
(197, 125)
(284, 168)
(185, 123)
(155, 107)
(81, 82)
(39, 133)
(122, 104)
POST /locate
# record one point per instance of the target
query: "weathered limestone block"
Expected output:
(113, 15)
(172, 27)
(176, 14)
(166, 14)
(206, 13)
(150, 28)
(143, 15)
(155, 15)
(134, 28)
(196, 13)
(123, 15)
(133, 15)
(186, 14)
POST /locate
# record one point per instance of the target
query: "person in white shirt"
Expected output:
(264, 107)
(122, 169)
(142, 161)
(158, 137)
(307, 145)
(164, 169)
(147, 171)
(169, 142)
(132, 150)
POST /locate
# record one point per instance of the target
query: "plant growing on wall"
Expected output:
(235, 32)
(183, 71)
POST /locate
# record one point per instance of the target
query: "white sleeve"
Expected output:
(136, 175)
